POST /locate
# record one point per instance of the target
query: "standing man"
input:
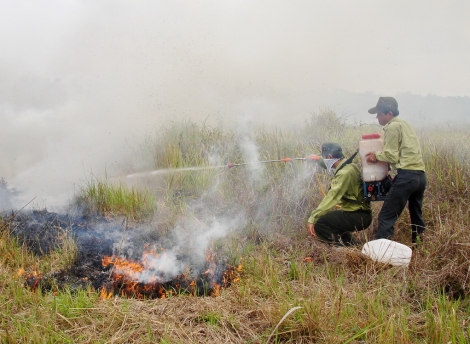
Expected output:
(402, 151)
(336, 226)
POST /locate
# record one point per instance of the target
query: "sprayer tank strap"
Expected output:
(350, 159)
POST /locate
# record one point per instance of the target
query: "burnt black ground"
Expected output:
(95, 236)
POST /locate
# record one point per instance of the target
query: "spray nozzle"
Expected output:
(313, 158)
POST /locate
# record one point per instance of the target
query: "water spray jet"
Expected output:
(310, 158)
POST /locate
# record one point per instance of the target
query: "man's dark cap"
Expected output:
(332, 148)
(385, 105)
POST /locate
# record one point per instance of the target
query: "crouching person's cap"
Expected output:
(332, 148)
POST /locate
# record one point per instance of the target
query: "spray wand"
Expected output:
(310, 158)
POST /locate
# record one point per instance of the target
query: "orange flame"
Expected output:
(32, 279)
(127, 278)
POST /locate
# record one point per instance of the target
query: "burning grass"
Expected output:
(91, 262)
(144, 281)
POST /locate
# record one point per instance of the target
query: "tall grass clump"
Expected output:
(115, 199)
(184, 145)
(327, 126)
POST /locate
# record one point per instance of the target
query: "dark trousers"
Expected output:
(336, 226)
(407, 186)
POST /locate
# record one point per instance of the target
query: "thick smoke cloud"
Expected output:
(81, 83)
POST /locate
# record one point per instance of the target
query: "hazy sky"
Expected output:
(79, 80)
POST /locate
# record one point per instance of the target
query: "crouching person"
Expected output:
(335, 226)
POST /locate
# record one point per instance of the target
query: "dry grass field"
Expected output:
(250, 218)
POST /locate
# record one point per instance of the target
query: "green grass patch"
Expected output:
(115, 199)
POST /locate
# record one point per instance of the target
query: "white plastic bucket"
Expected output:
(372, 172)
(388, 252)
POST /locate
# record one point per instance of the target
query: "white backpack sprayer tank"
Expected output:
(388, 252)
(373, 175)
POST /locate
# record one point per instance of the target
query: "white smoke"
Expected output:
(185, 252)
(250, 152)
(160, 267)
(80, 79)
